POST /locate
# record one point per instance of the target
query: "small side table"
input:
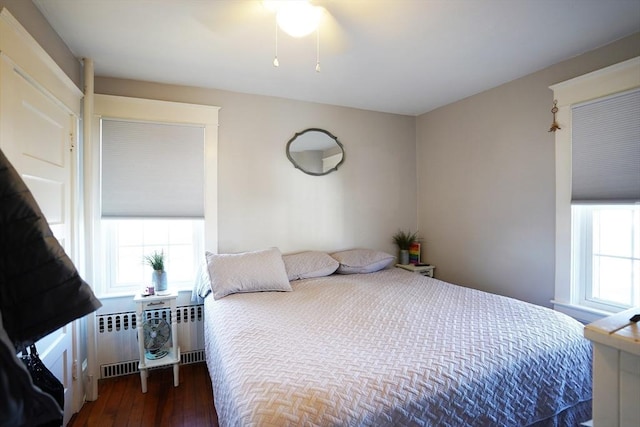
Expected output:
(424, 270)
(153, 302)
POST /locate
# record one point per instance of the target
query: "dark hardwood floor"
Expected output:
(121, 401)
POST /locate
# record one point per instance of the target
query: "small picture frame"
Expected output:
(414, 253)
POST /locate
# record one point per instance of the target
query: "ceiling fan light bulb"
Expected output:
(272, 5)
(276, 63)
(298, 18)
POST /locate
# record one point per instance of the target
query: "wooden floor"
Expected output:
(121, 401)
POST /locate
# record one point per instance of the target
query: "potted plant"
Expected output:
(403, 241)
(159, 276)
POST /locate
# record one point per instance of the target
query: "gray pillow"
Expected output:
(257, 271)
(305, 265)
(355, 261)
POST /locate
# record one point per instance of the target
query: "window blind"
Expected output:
(152, 169)
(606, 150)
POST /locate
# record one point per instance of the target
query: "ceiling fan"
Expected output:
(331, 18)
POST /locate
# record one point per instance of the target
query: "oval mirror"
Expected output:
(315, 151)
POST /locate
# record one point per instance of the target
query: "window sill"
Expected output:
(581, 313)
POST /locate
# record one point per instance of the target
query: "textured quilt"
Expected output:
(393, 348)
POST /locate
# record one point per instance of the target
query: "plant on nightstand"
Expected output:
(159, 276)
(403, 241)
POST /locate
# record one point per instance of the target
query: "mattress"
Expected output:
(393, 348)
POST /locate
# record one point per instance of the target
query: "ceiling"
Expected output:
(397, 56)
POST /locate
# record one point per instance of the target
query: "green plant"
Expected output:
(155, 260)
(404, 239)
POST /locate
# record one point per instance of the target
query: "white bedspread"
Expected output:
(391, 348)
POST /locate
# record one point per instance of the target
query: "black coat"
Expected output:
(40, 290)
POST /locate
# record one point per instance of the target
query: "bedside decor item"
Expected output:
(404, 240)
(414, 253)
(159, 276)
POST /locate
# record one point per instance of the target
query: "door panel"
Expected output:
(41, 122)
(42, 129)
(35, 134)
(50, 196)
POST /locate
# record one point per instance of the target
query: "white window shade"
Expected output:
(606, 150)
(152, 169)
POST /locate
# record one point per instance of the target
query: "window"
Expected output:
(598, 192)
(151, 169)
(606, 255)
(606, 170)
(127, 241)
(155, 165)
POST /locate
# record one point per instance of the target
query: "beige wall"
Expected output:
(36, 24)
(486, 181)
(264, 201)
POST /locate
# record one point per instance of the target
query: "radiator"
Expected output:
(118, 339)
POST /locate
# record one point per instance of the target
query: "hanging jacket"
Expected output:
(40, 289)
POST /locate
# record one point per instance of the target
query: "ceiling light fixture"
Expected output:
(298, 18)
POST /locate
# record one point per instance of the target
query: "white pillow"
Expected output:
(202, 284)
(305, 265)
(357, 261)
(257, 271)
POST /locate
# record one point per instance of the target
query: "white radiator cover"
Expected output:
(118, 339)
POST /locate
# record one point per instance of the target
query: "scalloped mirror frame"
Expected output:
(331, 140)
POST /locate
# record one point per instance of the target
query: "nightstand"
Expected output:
(424, 270)
(147, 307)
(616, 369)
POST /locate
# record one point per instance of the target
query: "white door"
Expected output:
(36, 135)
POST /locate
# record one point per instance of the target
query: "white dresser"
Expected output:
(616, 370)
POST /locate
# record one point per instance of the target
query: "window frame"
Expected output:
(610, 80)
(127, 108)
(582, 250)
(110, 247)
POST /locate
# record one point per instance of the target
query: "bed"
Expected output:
(392, 347)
